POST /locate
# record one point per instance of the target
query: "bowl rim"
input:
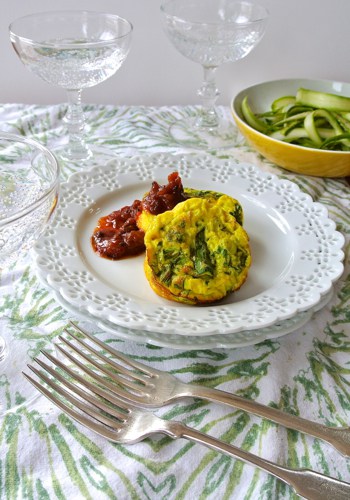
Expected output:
(53, 185)
(272, 139)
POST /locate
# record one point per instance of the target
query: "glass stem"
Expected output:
(75, 122)
(208, 93)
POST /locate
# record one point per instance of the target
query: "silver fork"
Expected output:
(121, 422)
(152, 388)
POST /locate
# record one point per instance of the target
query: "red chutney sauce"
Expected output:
(163, 198)
(117, 236)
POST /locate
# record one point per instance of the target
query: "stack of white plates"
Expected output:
(296, 251)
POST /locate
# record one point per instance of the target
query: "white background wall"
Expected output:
(304, 38)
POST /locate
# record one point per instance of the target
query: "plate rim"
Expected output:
(228, 341)
(145, 166)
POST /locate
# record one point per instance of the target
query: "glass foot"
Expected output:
(93, 155)
(188, 133)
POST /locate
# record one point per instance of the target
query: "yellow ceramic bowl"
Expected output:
(298, 159)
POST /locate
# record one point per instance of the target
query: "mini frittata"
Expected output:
(228, 203)
(231, 205)
(197, 252)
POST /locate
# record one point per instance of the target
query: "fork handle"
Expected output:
(307, 483)
(339, 437)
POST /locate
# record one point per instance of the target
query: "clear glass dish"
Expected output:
(29, 188)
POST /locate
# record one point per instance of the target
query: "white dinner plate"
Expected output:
(188, 342)
(296, 250)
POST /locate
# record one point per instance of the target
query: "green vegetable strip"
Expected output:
(292, 118)
(283, 103)
(311, 129)
(250, 118)
(311, 119)
(315, 99)
(333, 142)
(290, 135)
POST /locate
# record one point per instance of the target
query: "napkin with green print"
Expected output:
(50, 455)
(46, 454)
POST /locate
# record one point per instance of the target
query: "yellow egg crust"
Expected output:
(231, 205)
(196, 253)
(144, 219)
(228, 203)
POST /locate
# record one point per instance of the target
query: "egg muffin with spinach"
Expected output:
(231, 205)
(196, 253)
(228, 203)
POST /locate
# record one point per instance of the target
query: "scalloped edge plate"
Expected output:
(215, 341)
(297, 252)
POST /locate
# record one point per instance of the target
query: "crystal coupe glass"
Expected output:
(73, 50)
(29, 187)
(211, 33)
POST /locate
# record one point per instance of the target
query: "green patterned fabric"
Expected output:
(45, 454)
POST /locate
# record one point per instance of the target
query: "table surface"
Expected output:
(45, 454)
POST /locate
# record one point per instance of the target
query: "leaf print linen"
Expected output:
(45, 454)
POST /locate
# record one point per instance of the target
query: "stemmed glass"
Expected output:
(29, 186)
(211, 32)
(73, 50)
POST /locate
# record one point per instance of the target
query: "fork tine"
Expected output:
(76, 402)
(94, 426)
(85, 395)
(128, 361)
(108, 361)
(105, 383)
